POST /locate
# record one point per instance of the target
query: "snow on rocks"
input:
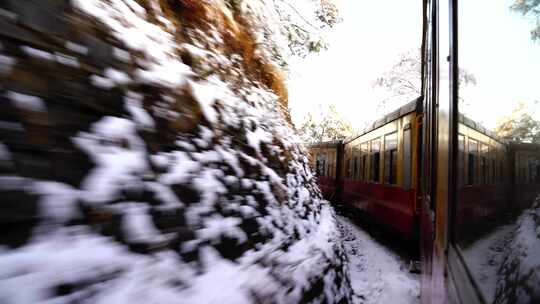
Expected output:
(195, 190)
(118, 77)
(206, 94)
(119, 155)
(6, 62)
(58, 201)
(99, 269)
(121, 55)
(4, 152)
(36, 53)
(130, 26)
(137, 224)
(67, 60)
(133, 103)
(101, 82)
(26, 102)
(77, 48)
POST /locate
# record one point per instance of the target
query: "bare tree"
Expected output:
(329, 127)
(519, 125)
(530, 8)
(403, 80)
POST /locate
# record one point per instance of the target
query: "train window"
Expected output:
(499, 116)
(324, 168)
(407, 161)
(348, 168)
(471, 168)
(484, 166)
(390, 159)
(501, 172)
(375, 160)
(461, 160)
(316, 169)
(532, 172)
(364, 167)
(321, 165)
(364, 148)
(493, 171)
(331, 166)
(483, 170)
(355, 168)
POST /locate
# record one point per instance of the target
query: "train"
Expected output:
(436, 177)
(377, 172)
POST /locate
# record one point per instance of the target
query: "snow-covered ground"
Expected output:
(377, 274)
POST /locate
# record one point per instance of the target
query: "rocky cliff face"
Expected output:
(146, 156)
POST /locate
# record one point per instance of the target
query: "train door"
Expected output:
(426, 150)
(487, 95)
(495, 259)
(437, 153)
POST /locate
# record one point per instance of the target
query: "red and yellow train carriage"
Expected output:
(380, 171)
(482, 176)
(463, 183)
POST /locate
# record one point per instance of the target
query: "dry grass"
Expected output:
(206, 15)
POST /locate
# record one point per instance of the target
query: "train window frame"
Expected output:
(355, 168)
(472, 166)
(375, 161)
(483, 170)
(348, 168)
(483, 149)
(321, 165)
(390, 169)
(493, 170)
(364, 149)
(462, 173)
(407, 158)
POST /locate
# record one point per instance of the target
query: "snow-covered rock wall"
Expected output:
(146, 157)
(519, 275)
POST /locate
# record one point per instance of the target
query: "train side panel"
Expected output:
(379, 174)
(483, 183)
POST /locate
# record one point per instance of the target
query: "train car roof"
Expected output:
(325, 144)
(517, 145)
(478, 127)
(414, 105)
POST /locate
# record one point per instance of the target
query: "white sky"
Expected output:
(366, 44)
(495, 46)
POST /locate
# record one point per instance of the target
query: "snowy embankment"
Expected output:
(519, 274)
(505, 263)
(484, 258)
(377, 275)
(151, 162)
